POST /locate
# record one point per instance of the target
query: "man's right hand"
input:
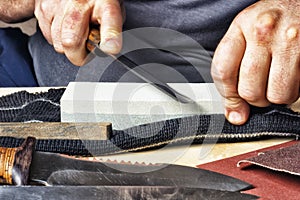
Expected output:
(257, 61)
(65, 24)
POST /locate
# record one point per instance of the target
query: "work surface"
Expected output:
(190, 155)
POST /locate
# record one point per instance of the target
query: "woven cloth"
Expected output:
(24, 106)
(273, 121)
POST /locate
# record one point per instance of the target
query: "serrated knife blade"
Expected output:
(22, 165)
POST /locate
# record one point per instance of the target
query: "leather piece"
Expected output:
(283, 159)
(267, 184)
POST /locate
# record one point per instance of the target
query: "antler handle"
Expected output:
(15, 163)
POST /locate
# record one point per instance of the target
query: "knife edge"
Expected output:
(44, 164)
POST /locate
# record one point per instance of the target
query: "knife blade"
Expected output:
(21, 165)
(93, 46)
(117, 192)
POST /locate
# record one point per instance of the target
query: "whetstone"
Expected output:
(130, 104)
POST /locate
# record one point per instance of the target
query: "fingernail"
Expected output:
(110, 46)
(235, 117)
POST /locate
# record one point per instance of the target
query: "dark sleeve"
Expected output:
(16, 69)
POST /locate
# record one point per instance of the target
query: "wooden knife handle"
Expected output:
(15, 163)
(93, 38)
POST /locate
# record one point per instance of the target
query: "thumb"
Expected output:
(237, 110)
(109, 15)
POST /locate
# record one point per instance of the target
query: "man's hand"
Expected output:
(16, 11)
(258, 60)
(65, 24)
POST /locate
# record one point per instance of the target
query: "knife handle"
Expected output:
(15, 163)
(93, 38)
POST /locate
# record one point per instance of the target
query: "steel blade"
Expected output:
(144, 75)
(46, 164)
(111, 192)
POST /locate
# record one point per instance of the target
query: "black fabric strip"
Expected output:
(273, 121)
(24, 106)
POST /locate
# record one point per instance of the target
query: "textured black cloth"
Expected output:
(24, 106)
(273, 121)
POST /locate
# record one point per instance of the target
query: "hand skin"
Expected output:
(257, 61)
(65, 24)
(12, 11)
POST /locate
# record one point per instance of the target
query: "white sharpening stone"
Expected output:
(130, 104)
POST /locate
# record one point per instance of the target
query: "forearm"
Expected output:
(16, 10)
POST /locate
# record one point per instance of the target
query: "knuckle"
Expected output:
(265, 25)
(219, 69)
(250, 95)
(292, 33)
(41, 9)
(70, 41)
(233, 103)
(219, 73)
(44, 6)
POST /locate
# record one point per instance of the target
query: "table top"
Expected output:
(189, 155)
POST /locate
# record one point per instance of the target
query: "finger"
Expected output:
(56, 34)
(108, 13)
(74, 31)
(256, 62)
(225, 69)
(44, 15)
(283, 86)
(56, 30)
(253, 75)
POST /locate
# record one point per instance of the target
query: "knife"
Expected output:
(117, 192)
(23, 166)
(93, 46)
